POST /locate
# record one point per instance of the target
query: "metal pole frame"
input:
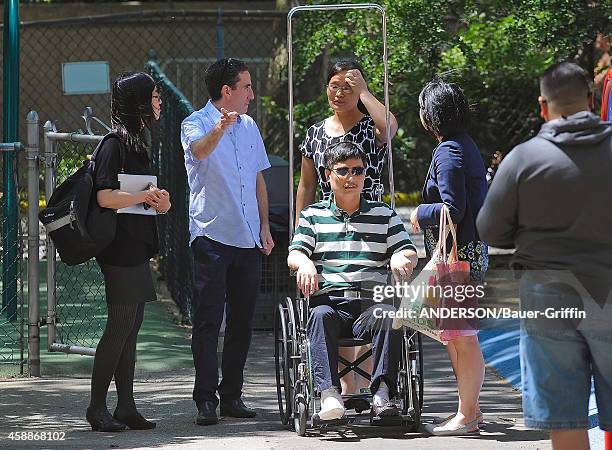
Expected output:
(50, 156)
(49, 159)
(32, 157)
(290, 15)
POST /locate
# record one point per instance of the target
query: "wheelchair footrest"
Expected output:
(359, 404)
(317, 422)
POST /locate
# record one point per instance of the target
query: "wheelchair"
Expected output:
(298, 402)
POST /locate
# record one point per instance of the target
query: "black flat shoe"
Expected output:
(101, 420)
(207, 414)
(134, 420)
(236, 408)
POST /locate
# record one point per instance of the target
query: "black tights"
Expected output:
(116, 355)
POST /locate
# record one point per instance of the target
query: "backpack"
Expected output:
(77, 225)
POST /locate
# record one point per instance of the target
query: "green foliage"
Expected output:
(71, 156)
(495, 50)
(404, 199)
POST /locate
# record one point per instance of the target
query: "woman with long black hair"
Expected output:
(128, 281)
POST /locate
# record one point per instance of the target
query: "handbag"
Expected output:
(452, 276)
(423, 309)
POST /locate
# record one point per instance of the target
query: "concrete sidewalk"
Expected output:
(58, 405)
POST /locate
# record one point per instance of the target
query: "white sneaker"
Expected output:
(332, 406)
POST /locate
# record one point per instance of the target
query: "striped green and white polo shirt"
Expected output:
(350, 252)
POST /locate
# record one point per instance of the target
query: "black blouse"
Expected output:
(136, 237)
(362, 134)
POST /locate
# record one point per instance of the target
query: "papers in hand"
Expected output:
(133, 184)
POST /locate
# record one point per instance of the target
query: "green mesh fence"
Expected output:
(13, 308)
(175, 257)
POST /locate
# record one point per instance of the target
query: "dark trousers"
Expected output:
(332, 318)
(224, 278)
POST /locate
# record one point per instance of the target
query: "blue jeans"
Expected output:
(560, 355)
(224, 278)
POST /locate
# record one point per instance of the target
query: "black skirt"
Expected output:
(128, 284)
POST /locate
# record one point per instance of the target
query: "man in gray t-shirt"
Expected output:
(549, 200)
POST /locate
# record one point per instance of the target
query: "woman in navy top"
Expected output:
(456, 178)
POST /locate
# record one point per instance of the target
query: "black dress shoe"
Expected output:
(207, 414)
(101, 420)
(133, 420)
(236, 408)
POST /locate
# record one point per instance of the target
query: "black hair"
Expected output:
(565, 83)
(348, 64)
(225, 71)
(342, 151)
(444, 108)
(131, 108)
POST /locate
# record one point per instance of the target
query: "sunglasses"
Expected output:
(343, 171)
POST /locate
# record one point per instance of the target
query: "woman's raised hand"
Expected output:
(355, 80)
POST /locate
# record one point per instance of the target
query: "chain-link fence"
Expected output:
(13, 309)
(175, 257)
(184, 42)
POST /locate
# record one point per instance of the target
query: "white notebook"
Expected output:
(136, 183)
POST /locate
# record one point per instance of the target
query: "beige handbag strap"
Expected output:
(453, 231)
(447, 226)
(440, 250)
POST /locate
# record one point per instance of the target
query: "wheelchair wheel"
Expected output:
(283, 361)
(410, 380)
(421, 373)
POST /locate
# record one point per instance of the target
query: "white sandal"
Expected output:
(441, 420)
(470, 428)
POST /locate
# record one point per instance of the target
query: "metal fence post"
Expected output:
(32, 149)
(220, 45)
(10, 126)
(49, 186)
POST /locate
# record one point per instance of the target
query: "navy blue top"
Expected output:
(457, 177)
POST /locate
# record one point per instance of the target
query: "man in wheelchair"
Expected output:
(340, 251)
